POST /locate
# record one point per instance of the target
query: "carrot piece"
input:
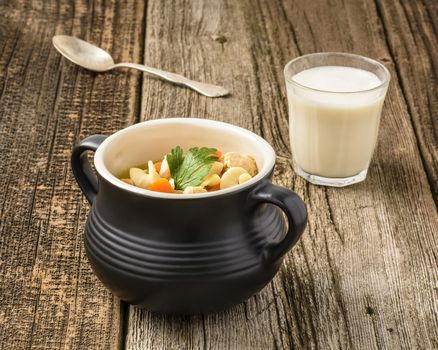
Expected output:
(158, 166)
(214, 188)
(161, 185)
(128, 181)
(217, 154)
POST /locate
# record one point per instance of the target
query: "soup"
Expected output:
(199, 170)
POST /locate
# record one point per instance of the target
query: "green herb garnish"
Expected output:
(191, 169)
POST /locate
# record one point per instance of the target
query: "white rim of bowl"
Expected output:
(107, 175)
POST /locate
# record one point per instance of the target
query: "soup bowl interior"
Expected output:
(151, 140)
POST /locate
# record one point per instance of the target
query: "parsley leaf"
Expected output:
(175, 159)
(191, 169)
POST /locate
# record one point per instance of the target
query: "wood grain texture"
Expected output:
(49, 298)
(412, 40)
(364, 275)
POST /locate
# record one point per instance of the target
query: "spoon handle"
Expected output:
(203, 88)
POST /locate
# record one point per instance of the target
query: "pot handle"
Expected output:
(294, 208)
(81, 167)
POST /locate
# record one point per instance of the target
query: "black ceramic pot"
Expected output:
(176, 253)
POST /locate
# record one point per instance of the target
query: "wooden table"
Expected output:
(365, 273)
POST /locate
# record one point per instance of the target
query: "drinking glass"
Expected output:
(333, 133)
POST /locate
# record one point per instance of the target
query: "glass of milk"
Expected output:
(335, 101)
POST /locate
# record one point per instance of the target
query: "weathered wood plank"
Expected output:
(49, 298)
(364, 273)
(412, 39)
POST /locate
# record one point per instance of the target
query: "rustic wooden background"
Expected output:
(364, 275)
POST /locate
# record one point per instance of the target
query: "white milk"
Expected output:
(333, 133)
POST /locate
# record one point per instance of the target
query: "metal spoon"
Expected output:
(94, 58)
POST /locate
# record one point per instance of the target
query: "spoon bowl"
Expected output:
(95, 59)
(83, 53)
